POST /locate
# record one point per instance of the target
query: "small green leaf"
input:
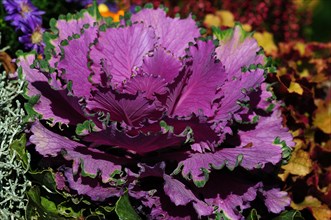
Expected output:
(31, 113)
(289, 215)
(48, 205)
(19, 147)
(85, 128)
(253, 215)
(124, 209)
(64, 43)
(66, 210)
(45, 178)
(222, 35)
(149, 6)
(40, 208)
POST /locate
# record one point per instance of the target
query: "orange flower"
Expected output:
(105, 12)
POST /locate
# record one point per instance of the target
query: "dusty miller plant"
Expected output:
(13, 182)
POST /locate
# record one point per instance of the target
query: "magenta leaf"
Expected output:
(95, 191)
(133, 110)
(92, 162)
(196, 90)
(173, 34)
(122, 49)
(256, 149)
(54, 103)
(74, 62)
(162, 63)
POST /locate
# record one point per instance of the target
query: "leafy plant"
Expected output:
(148, 110)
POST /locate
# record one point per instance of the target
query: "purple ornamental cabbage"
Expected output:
(150, 107)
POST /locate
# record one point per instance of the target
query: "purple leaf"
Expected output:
(133, 110)
(276, 200)
(196, 90)
(230, 192)
(229, 102)
(256, 149)
(149, 85)
(74, 63)
(139, 143)
(122, 49)
(173, 33)
(49, 143)
(180, 195)
(91, 161)
(95, 192)
(162, 63)
(205, 138)
(54, 103)
(238, 51)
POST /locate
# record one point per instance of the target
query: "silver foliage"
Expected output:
(13, 182)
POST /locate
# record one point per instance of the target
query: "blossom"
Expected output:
(150, 99)
(32, 37)
(106, 12)
(20, 11)
(265, 39)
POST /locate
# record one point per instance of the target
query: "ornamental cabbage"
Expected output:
(150, 107)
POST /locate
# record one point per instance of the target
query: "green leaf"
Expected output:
(289, 215)
(19, 147)
(45, 178)
(48, 205)
(66, 210)
(124, 210)
(40, 208)
(222, 35)
(31, 113)
(253, 215)
(85, 128)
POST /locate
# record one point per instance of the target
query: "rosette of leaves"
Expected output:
(147, 110)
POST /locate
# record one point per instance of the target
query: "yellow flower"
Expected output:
(227, 18)
(212, 20)
(295, 88)
(223, 18)
(105, 12)
(220, 18)
(266, 40)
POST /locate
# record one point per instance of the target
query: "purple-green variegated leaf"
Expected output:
(238, 49)
(256, 148)
(91, 161)
(54, 103)
(73, 65)
(68, 26)
(90, 187)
